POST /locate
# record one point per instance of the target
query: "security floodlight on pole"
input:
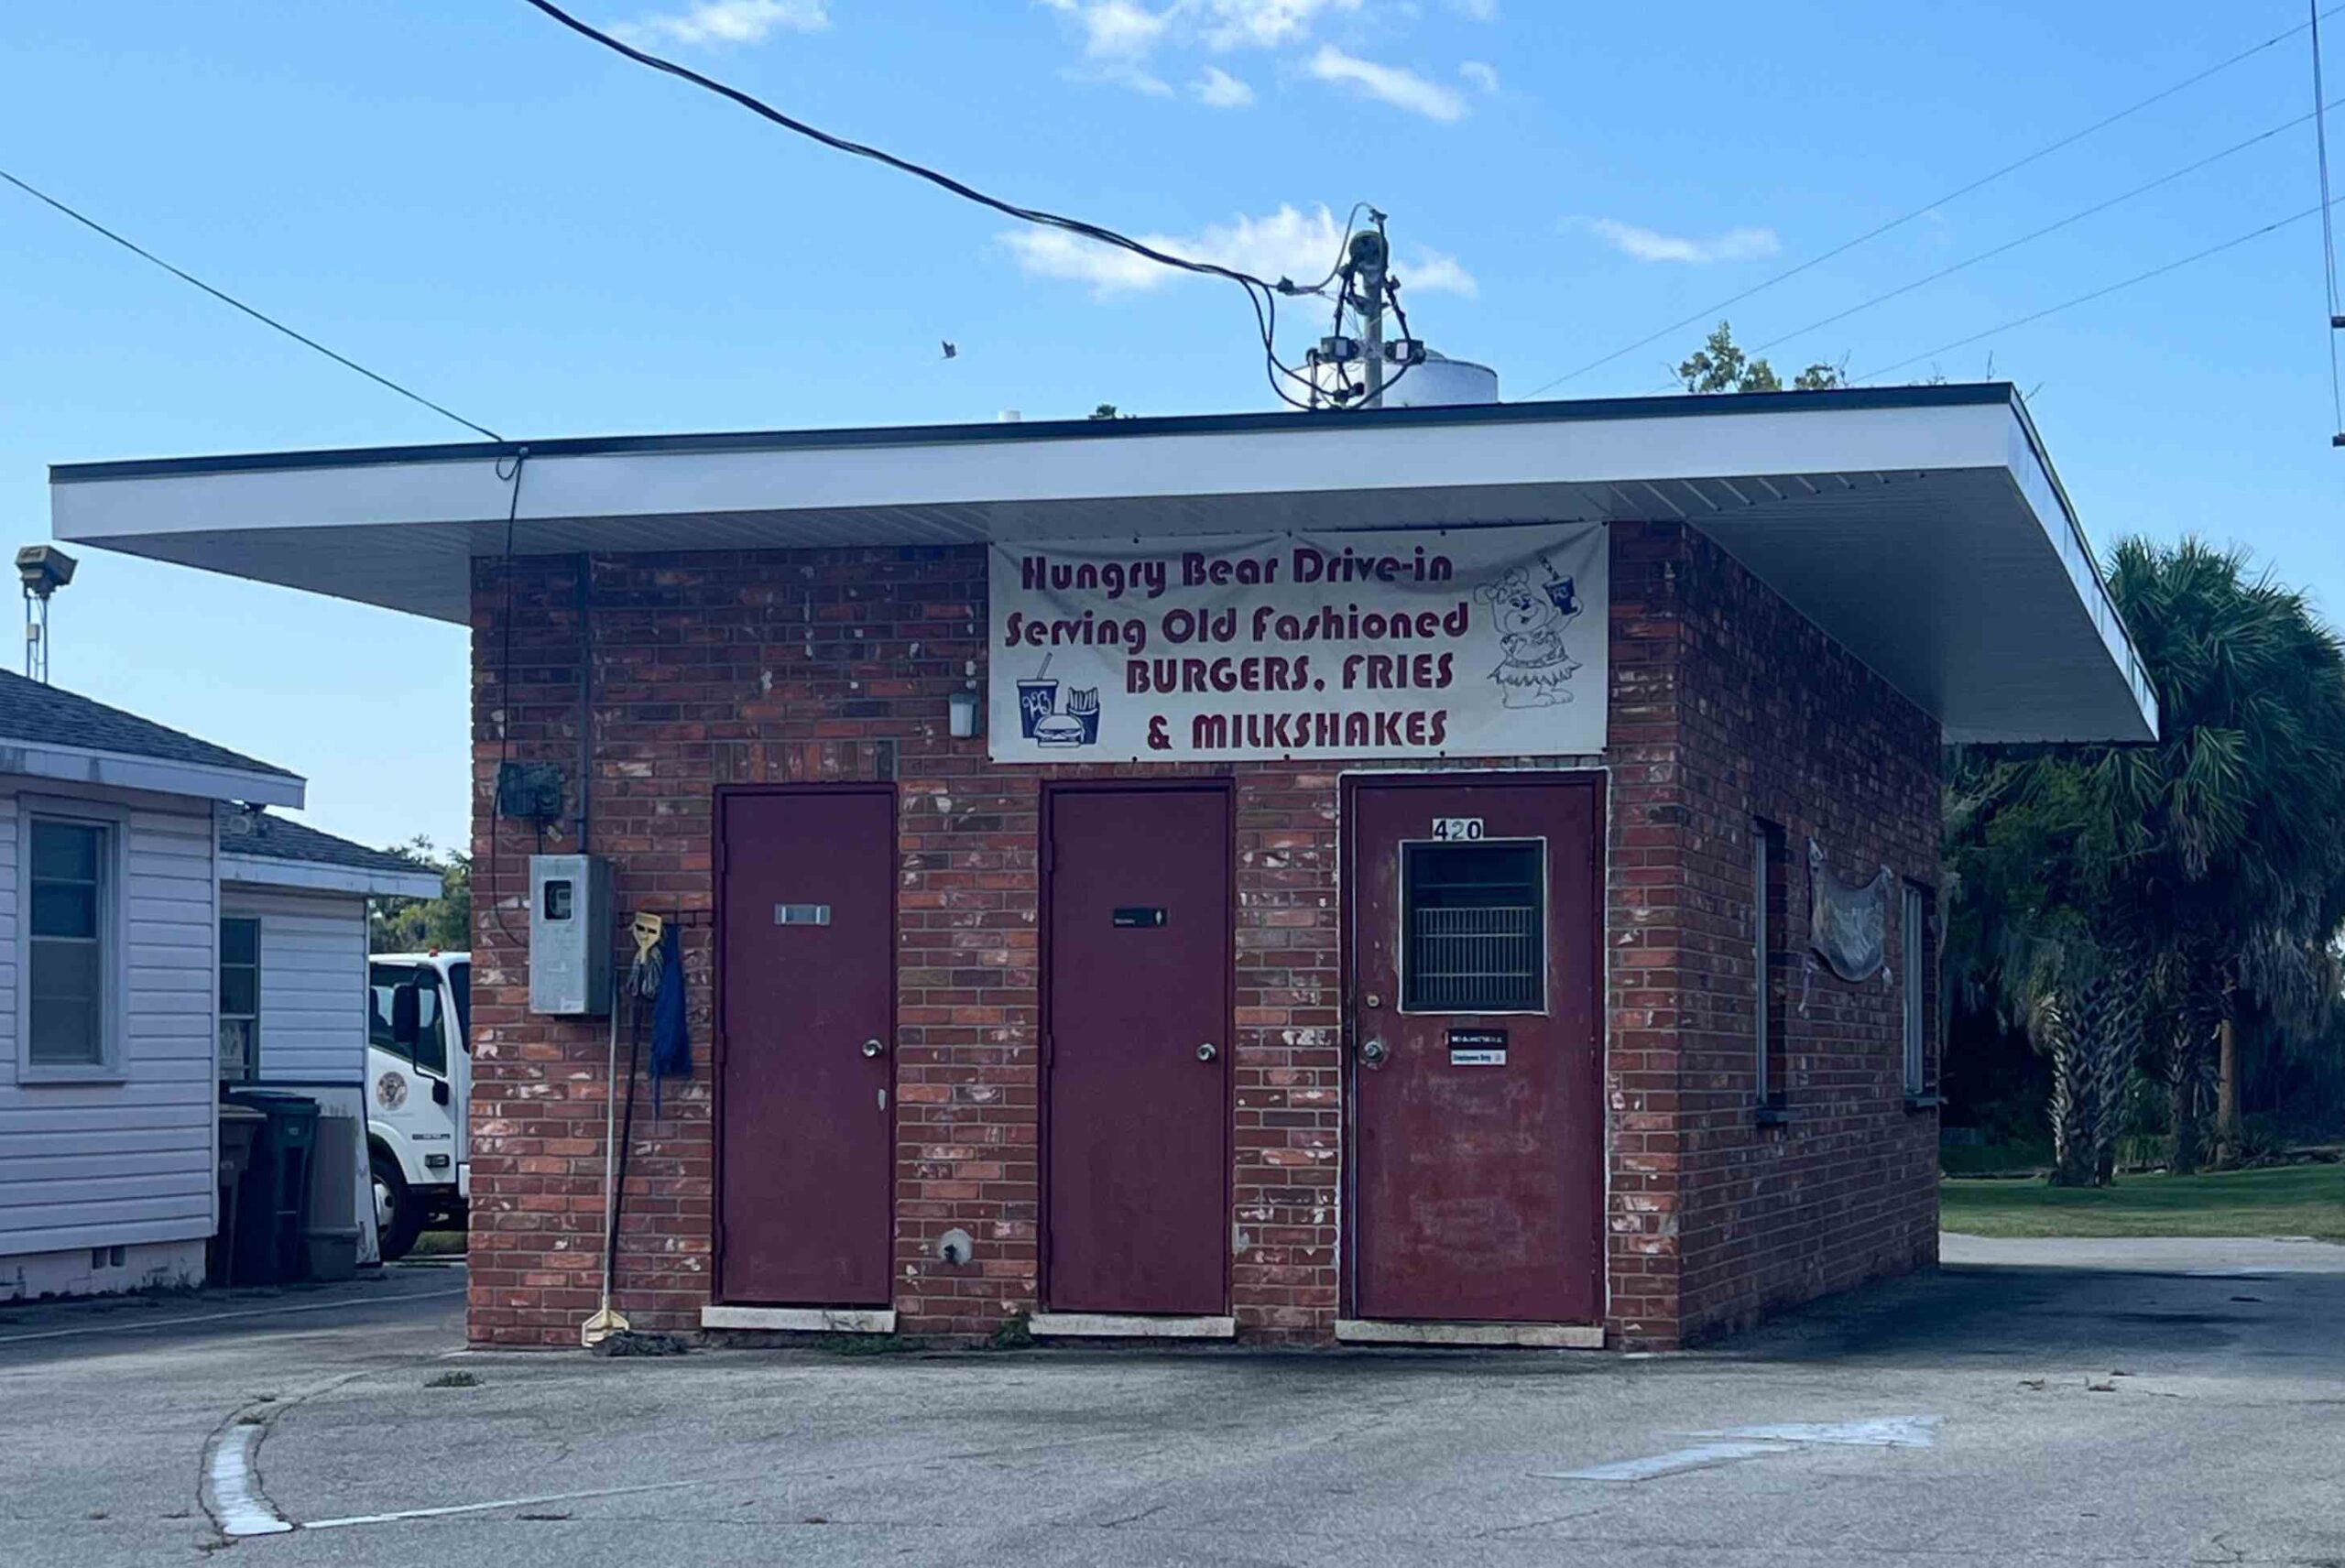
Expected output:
(43, 569)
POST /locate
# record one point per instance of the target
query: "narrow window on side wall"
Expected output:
(239, 998)
(1768, 918)
(1913, 921)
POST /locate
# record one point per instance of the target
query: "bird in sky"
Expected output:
(952, 349)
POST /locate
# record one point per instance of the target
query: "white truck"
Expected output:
(418, 1088)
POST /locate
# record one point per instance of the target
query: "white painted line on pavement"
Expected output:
(1881, 1431)
(1743, 1442)
(491, 1508)
(1701, 1456)
(345, 1305)
(236, 1500)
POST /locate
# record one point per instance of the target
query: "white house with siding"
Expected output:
(113, 887)
(293, 993)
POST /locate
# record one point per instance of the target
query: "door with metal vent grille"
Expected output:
(1473, 993)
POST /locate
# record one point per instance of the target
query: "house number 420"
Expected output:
(1456, 828)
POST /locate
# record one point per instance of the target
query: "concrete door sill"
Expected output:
(1528, 1335)
(1129, 1325)
(801, 1320)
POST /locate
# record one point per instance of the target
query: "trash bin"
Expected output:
(331, 1234)
(240, 1128)
(273, 1201)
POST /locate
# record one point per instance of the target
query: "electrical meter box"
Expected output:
(569, 934)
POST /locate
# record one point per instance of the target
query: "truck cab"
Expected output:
(419, 1087)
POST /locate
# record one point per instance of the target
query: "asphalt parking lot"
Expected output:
(2035, 1402)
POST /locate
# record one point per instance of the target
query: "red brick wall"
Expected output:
(717, 667)
(1757, 715)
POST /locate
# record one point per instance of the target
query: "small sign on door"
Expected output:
(1477, 1048)
(1456, 830)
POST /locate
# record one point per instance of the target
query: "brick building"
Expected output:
(1447, 875)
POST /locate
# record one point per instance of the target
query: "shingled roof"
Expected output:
(36, 714)
(246, 832)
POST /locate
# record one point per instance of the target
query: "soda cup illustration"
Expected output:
(1036, 701)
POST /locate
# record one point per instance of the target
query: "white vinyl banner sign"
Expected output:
(1407, 643)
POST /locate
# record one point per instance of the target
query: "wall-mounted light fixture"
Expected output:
(963, 707)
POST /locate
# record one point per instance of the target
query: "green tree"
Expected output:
(2133, 903)
(416, 925)
(1720, 366)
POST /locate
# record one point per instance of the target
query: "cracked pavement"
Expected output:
(2158, 1402)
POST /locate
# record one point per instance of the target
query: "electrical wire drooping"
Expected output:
(262, 317)
(1261, 293)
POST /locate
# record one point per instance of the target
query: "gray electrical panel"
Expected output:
(569, 934)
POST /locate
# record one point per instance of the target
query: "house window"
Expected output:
(1914, 922)
(239, 998)
(69, 946)
(1767, 920)
(1474, 924)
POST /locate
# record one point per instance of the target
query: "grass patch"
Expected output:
(2289, 1200)
(439, 1243)
(453, 1380)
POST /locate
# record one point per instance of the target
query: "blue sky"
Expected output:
(552, 242)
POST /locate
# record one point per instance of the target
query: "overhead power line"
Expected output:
(1261, 293)
(2034, 235)
(262, 317)
(1709, 313)
(2101, 293)
(2328, 236)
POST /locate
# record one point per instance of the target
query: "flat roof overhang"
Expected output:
(1922, 527)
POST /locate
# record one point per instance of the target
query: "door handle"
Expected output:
(1207, 1051)
(1373, 1052)
(873, 1047)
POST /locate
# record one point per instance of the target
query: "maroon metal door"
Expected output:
(806, 1004)
(1137, 1020)
(1477, 1115)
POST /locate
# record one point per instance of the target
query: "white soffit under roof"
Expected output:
(1920, 527)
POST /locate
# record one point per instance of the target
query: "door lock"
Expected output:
(873, 1047)
(1206, 1052)
(1373, 1052)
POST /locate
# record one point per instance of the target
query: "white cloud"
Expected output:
(1290, 243)
(1217, 89)
(1438, 271)
(726, 22)
(1479, 10)
(1116, 29)
(1265, 24)
(1392, 85)
(1649, 245)
(1483, 76)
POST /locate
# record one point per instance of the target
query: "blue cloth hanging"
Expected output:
(671, 1045)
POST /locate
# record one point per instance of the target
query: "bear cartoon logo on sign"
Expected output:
(1536, 671)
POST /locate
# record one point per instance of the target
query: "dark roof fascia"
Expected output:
(1578, 411)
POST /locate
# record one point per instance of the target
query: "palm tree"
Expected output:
(2231, 862)
(2128, 900)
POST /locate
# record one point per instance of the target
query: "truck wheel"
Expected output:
(399, 1215)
